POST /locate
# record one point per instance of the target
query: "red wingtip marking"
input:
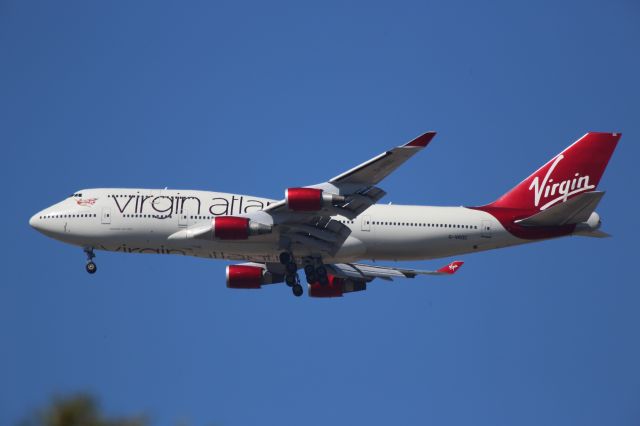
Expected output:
(451, 268)
(422, 140)
(605, 135)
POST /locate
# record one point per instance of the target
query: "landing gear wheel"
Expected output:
(297, 290)
(91, 267)
(321, 272)
(290, 280)
(310, 272)
(285, 257)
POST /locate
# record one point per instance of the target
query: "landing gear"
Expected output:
(321, 272)
(291, 268)
(310, 272)
(293, 282)
(90, 267)
(285, 257)
(290, 280)
(291, 275)
(316, 274)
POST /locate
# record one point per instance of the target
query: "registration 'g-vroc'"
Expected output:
(327, 228)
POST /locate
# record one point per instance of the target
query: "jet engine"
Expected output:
(310, 199)
(336, 287)
(237, 228)
(250, 276)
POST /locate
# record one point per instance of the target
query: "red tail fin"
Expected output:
(575, 170)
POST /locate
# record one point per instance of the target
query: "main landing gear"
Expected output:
(291, 273)
(314, 271)
(90, 267)
(316, 274)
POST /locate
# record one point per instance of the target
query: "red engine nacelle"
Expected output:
(237, 228)
(244, 276)
(336, 287)
(309, 199)
(249, 276)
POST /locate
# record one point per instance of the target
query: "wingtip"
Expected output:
(603, 136)
(451, 268)
(422, 140)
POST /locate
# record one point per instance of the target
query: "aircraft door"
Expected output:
(366, 223)
(486, 229)
(106, 216)
(182, 219)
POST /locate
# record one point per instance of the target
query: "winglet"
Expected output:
(422, 140)
(451, 268)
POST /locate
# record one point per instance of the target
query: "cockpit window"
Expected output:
(76, 195)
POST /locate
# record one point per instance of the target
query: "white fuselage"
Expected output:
(141, 220)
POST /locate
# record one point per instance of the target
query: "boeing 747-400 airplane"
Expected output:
(327, 228)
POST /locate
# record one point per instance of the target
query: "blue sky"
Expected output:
(254, 97)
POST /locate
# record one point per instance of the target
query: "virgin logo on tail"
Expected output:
(562, 190)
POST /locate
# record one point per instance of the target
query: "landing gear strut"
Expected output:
(291, 276)
(90, 267)
(285, 257)
(290, 280)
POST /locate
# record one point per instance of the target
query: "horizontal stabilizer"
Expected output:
(575, 210)
(594, 234)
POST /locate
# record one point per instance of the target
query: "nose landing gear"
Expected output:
(90, 267)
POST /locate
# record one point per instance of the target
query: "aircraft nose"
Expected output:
(35, 221)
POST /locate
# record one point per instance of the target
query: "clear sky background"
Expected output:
(253, 97)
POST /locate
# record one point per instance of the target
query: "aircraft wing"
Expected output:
(308, 222)
(371, 172)
(358, 185)
(305, 220)
(343, 277)
(371, 272)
